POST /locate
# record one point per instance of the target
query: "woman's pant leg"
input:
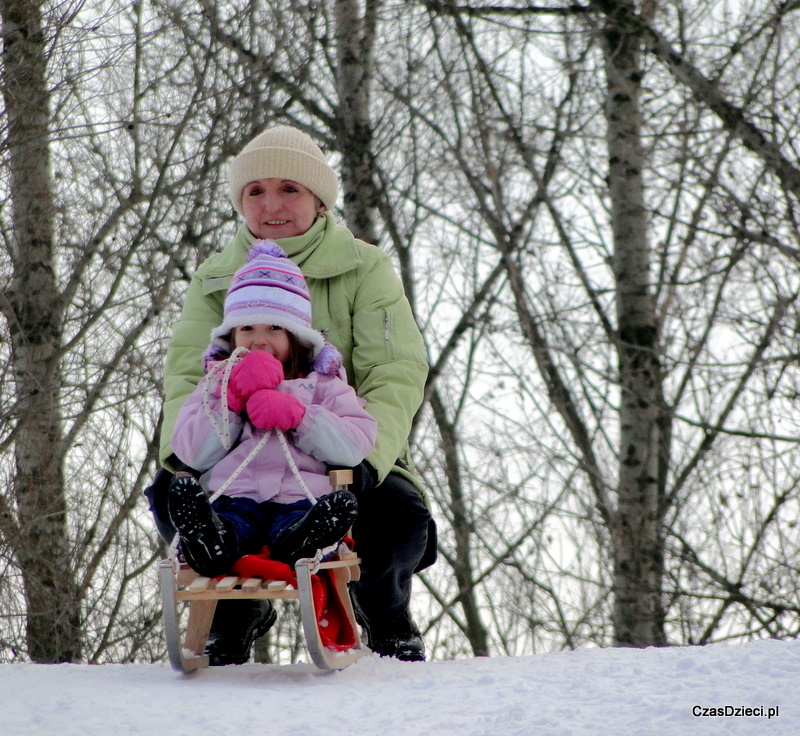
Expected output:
(391, 536)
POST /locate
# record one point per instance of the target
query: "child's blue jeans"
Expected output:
(257, 524)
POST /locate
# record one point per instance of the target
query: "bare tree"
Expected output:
(594, 212)
(102, 211)
(535, 187)
(600, 357)
(34, 311)
(355, 71)
(636, 525)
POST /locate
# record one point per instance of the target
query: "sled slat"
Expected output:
(274, 585)
(227, 583)
(199, 584)
(251, 585)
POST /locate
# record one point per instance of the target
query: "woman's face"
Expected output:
(279, 208)
(271, 338)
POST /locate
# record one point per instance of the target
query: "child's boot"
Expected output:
(207, 544)
(325, 524)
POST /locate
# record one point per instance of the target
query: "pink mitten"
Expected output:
(267, 409)
(258, 369)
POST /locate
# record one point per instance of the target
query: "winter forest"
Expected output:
(594, 207)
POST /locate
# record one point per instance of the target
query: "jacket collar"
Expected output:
(327, 249)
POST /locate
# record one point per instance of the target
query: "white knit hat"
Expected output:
(283, 153)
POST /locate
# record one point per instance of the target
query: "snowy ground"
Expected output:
(593, 692)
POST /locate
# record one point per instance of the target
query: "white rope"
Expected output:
(225, 367)
(289, 459)
(224, 487)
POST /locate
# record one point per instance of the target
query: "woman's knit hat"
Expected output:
(283, 153)
(269, 289)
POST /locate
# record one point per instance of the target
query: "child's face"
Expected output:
(279, 208)
(271, 338)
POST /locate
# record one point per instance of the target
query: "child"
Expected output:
(267, 372)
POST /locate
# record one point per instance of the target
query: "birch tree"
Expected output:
(34, 312)
(636, 525)
(99, 219)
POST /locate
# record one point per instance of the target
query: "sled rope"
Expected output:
(224, 434)
(293, 466)
(225, 367)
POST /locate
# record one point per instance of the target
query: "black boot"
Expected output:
(399, 638)
(207, 544)
(236, 626)
(325, 524)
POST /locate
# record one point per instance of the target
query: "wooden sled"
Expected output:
(179, 583)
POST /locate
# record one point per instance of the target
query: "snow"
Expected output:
(606, 692)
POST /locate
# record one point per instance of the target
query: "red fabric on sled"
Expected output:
(261, 566)
(335, 628)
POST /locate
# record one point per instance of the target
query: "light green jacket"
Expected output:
(358, 303)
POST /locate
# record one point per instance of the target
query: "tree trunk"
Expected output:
(34, 313)
(355, 44)
(636, 530)
(473, 626)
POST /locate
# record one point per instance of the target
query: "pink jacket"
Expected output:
(336, 429)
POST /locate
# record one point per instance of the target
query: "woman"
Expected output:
(284, 189)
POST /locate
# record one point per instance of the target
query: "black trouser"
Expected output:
(394, 533)
(395, 536)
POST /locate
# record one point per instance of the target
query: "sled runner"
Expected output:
(321, 588)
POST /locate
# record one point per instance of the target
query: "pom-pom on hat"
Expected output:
(271, 290)
(283, 152)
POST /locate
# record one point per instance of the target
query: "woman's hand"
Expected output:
(268, 408)
(257, 370)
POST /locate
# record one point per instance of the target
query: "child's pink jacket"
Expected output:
(336, 429)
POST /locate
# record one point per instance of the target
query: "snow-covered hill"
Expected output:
(730, 689)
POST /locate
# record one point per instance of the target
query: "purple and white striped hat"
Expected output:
(269, 289)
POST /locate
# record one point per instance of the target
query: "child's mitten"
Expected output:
(257, 370)
(267, 409)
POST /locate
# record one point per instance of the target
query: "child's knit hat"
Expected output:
(269, 289)
(283, 152)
